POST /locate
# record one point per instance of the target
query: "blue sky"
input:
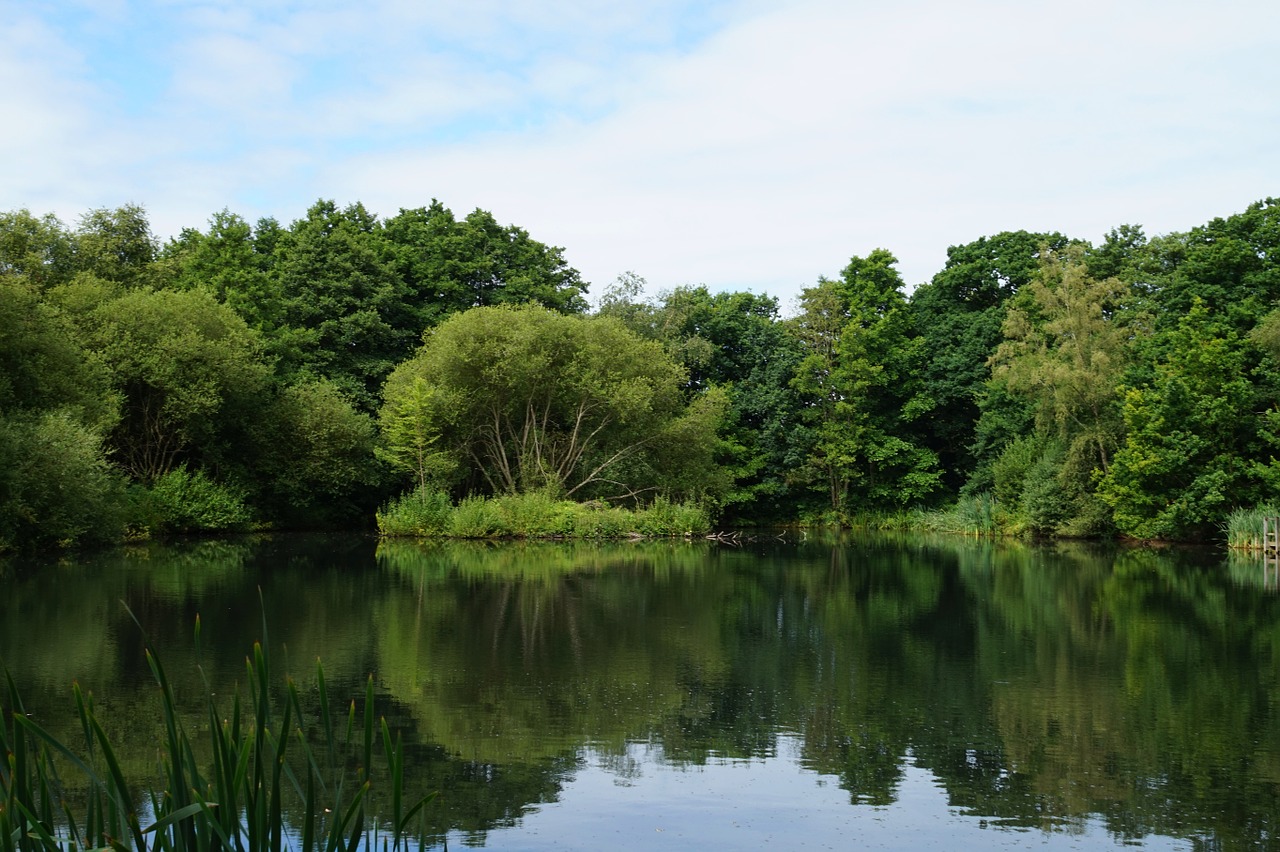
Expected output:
(740, 144)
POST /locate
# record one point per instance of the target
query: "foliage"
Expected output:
(410, 422)
(183, 501)
(421, 513)
(451, 265)
(37, 250)
(43, 365)
(734, 344)
(959, 314)
(279, 362)
(1190, 435)
(56, 487)
(314, 455)
(428, 513)
(117, 245)
(1064, 347)
(189, 371)
(862, 397)
(532, 400)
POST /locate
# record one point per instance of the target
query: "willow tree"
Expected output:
(1065, 350)
(524, 399)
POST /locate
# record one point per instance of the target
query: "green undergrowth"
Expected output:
(426, 513)
(279, 773)
(977, 515)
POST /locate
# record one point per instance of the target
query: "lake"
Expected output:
(828, 692)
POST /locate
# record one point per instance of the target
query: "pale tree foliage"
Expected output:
(1065, 348)
(410, 424)
(525, 399)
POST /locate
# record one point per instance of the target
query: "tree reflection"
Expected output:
(1041, 686)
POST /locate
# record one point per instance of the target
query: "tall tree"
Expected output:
(959, 313)
(859, 379)
(1065, 351)
(1199, 439)
(40, 250)
(342, 302)
(117, 245)
(451, 265)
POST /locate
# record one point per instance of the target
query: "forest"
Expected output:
(253, 376)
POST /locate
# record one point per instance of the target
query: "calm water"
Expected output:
(820, 694)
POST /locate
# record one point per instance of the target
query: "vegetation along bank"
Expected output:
(447, 376)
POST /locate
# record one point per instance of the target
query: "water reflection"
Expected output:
(1071, 690)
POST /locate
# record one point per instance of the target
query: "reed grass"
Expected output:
(262, 759)
(1243, 527)
(977, 515)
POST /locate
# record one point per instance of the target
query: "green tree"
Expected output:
(410, 425)
(189, 371)
(534, 400)
(736, 343)
(229, 262)
(56, 486)
(342, 301)
(959, 314)
(117, 245)
(312, 456)
(1194, 445)
(37, 249)
(42, 363)
(860, 382)
(451, 265)
(1065, 348)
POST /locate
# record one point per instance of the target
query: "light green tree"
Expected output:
(1065, 350)
(525, 399)
(189, 371)
(410, 422)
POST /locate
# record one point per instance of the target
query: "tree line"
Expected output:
(261, 375)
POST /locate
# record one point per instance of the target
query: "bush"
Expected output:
(597, 520)
(476, 517)
(56, 486)
(185, 502)
(664, 518)
(424, 512)
(535, 515)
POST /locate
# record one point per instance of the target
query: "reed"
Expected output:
(262, 758)
(1243, 527)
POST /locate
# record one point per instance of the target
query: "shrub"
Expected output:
(424, 512)
(534, 515)
(183, 501)
(476, 517)
(664, 518)
(594, 520)
(56, 487)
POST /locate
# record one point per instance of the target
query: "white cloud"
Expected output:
(755, 145)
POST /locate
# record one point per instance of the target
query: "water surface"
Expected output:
(814, 694)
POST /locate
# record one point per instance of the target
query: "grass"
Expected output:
(1243, 527)
(262, 760)
(978, 515)
(535, 515)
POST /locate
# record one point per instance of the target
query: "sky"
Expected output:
(740, 144)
